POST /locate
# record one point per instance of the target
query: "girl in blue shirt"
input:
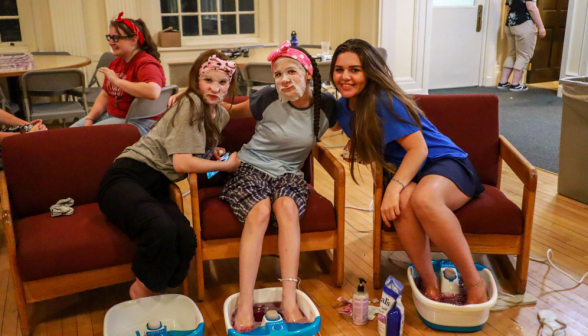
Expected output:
(432, 176)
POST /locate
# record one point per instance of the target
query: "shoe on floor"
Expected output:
(517, 88)
(503, 86)
(550, 326)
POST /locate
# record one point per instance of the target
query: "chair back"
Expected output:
(52, 82)
(62, 53)
(104, 61)
(324, 70)
(471, 122)
(142, 108)
(258, 72)
(382, 52)
(43, 167)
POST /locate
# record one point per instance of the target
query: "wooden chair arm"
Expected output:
(195, 201)
(336, 170)
(378, 176)
(333, 167)
(517, 162)
(7, 218)
(176, 195)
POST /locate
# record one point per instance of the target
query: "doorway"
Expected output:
(457, 43)
(545, 66)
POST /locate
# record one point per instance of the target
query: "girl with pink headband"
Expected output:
(135, 73)
(134, 193)
(269, 186)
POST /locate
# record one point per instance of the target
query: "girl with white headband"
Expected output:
(269, 186)
(134, 193)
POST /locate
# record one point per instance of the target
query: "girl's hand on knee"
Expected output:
(233, 162)
(391, 204)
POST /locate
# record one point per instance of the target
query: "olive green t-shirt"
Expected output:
(166, 138)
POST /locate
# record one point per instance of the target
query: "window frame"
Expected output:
(12, 17)
(220, 38)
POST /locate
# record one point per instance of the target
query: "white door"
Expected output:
(456, 43)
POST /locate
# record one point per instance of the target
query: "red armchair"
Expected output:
(218, 231)
(52, 257)
(492, 224)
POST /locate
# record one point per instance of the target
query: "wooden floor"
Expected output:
(560, 223)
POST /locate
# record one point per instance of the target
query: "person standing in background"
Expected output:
(523, 24)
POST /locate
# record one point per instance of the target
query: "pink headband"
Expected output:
(215, 63)
(285, 51)
(131, 25)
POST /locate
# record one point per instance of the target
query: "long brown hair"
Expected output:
(148, 46)
(203, 116)
(316, 92)
(367, 136)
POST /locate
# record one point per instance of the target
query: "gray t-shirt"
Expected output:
(284, 134)
(156, 149)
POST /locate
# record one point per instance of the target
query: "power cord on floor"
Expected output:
(370, 209)
(548, 260)
(186, 193)
(356, 229)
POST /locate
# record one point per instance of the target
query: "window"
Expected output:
(9, 23)
(202, 18)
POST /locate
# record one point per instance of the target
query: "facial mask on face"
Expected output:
(214, 83)
(284, 79)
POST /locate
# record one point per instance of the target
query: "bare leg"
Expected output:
(505, 75)
(434, 201)
(249, 256)
(139, 290)
(289, 246)
(415, 242)
(517, 76)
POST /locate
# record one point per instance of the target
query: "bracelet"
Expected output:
(402, 184)
(93, 121)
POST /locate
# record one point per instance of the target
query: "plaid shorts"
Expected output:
(248, 186)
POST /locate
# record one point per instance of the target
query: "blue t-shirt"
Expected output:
(439, 145)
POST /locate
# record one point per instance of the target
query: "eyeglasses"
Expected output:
(115, 38)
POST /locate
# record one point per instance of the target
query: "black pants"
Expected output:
(135, 198)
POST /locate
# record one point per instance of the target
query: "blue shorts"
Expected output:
(459, 171)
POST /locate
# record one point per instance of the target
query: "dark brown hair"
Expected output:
(148, 46)
(203, 115)
(367, 136)
(316, 92)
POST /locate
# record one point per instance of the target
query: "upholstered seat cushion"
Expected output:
(221, 223)
(48, 247)
(490, 213)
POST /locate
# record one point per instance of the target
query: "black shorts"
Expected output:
(459, 171)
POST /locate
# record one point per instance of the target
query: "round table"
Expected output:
(41, 62)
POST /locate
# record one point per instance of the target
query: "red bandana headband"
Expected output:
(285, 51)
(131, 25)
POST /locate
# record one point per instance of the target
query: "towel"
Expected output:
(62, 208)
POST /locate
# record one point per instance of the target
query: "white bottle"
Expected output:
(361, 304)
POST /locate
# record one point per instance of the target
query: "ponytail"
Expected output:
(317, 95)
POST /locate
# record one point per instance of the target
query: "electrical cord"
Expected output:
(548, 260)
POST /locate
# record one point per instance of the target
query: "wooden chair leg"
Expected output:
(338, 265)
(199, 274)
(186, 286)
(377, 266)
(21, 305)
(522, 272)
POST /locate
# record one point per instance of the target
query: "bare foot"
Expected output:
(432, 289)
(244, 317)
(477, 294)
(139, 290)
(291, 312)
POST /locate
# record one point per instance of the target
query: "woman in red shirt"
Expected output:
(135, 73)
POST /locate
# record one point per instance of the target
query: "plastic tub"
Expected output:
(448, 317)
(274, 294)
(178, 313)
